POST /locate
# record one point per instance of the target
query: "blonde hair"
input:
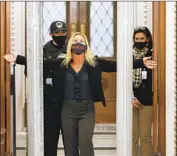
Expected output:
(88, 54)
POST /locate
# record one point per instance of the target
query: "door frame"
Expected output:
(159, 77)
(5, 100)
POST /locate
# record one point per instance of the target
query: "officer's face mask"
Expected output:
(60, 40)
(140, 45)
(78, 48)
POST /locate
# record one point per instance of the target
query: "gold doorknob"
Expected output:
(73, 28)
(83, 28)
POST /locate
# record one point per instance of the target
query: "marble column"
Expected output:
(170, 77)
(125, 16)
(17, 32)
(35, 79)
(143, 14)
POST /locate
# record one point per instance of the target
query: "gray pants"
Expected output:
(78, 122)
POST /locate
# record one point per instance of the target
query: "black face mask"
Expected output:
(60, 40)
(140, 45)
(78, 48)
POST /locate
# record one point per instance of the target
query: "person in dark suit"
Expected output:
(78, 85)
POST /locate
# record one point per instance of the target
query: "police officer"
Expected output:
(52, 111)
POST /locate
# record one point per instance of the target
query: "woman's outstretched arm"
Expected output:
(111, 66)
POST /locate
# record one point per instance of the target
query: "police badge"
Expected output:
(59, 25)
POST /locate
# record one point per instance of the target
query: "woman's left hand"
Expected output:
(136, 103)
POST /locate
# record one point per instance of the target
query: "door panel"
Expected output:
(159, 105)
(97, 22)
(2, 78)
(107, 114)
(72, 17)
(102, 24)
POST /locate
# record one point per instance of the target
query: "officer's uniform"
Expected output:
(52, 110)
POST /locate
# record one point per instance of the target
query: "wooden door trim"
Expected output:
(2, 71)
(72, 17)
(155, 78)
(159, 102)
(5, 105)
(162, 85)
(8, 81)
(84, 16)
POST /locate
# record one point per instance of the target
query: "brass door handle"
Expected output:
(83, 28)
(73, 28)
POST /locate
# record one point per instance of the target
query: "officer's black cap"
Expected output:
(57, 26)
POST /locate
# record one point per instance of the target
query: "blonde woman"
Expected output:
(78, 81)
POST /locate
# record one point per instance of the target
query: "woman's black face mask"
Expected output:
(140, 45)
(78, 48)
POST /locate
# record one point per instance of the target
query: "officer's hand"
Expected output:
(149, 63)
(10, 57)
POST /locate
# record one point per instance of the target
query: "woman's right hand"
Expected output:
(149, 63)
(11, 57)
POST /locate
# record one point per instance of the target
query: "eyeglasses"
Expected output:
(140, 28)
